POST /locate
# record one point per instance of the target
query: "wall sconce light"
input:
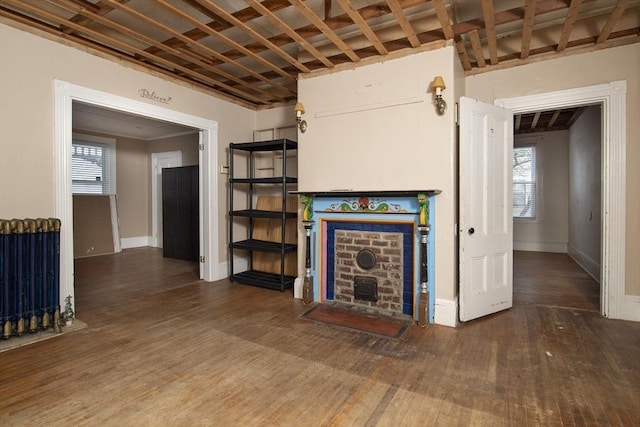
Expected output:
(438, 86)
(302, 124)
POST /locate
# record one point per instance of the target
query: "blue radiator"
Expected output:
(29, 275)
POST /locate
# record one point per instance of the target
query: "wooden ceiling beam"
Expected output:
(213, 53)
(103, 51)
(108, 40)
(572, 15)
(617, 38)
(337, 22)
(218, 24)
(534, 122)
(508, 16)
(363, 26)
(404, 23)
(443, 17)
(328, 9)
(223, 14)
(462, 54)
(477, 48)
(612, 21)
(185, 57)
(490, 30)
(291, 33)
(322, 26)
(527, 27)
(179, 53)
(554, 118)
(99, 8)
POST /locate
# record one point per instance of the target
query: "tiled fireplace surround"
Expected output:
(385, 225)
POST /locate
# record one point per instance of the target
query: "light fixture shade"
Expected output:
(438, 83)
(299, 108)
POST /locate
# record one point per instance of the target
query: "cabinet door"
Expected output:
(180, 225)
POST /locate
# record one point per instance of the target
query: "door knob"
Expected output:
(471, 231)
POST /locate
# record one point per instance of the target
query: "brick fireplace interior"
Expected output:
(370, 265)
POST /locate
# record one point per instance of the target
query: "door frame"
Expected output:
(156, 194)
(612, 97)
(64, 95)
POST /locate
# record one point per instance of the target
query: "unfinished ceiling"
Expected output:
(546, 121)
(251, 51)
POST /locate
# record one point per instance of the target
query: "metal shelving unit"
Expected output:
(249, 184)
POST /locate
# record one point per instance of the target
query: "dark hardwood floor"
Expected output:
(553, 279)
(162, 348)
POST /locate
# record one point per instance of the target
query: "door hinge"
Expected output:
(202, 259)
(201, 147)
(456, 113)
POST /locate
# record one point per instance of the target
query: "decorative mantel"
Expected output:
(366, 237)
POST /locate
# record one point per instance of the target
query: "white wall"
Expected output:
(585, 140)
(376, 128)
(549, 232)
(29, 66)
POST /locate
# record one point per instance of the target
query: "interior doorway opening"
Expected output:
(65, 94)
(557, 207)
(612, 97)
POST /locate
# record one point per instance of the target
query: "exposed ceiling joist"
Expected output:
(572, 15)
(546, 121)
(253, 54)
(612, 21)
(326, 30)
(363, 26)
(490, 29)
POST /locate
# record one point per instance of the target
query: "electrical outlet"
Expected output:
(224, 169)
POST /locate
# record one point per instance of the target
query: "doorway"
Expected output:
(557, 207)
(65, 94)
(612, 98)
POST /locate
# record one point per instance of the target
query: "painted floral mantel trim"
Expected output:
(365, 204)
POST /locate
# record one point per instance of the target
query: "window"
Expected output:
(524, 182)
(92, 165)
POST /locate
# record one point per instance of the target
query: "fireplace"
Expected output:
(371, 251)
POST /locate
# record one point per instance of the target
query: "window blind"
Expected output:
(90, 168)
(524, 182)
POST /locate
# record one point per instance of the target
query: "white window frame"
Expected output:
(111, 143)
(533, 141)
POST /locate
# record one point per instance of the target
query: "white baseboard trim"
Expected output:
(446, 312)
(631, 308)
(555, 247)
(135, 242)
(588, 264)
(239, 264)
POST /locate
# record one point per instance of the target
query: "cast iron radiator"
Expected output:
(29, 275)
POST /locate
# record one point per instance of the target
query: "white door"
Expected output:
(486, 224)
(169, 159)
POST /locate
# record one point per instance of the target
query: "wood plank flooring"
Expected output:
(553, 279)
(164, 349)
